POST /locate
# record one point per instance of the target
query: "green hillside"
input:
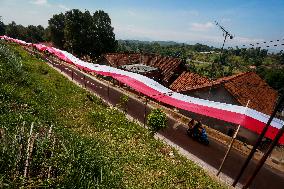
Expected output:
(89, 146)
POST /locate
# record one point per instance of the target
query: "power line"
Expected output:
(265, 44)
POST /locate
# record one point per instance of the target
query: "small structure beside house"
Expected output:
(149, 71)
(167, 69)
(236, 89)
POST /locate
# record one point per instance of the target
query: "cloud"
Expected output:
(226, 20)
(63, 7)
(193, 12)
(134, 32)
(131, 13)
(188, 12)
(32, 12)
(39, 2)
(143, 33)
(201, 27)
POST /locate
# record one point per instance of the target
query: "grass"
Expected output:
(91, 146)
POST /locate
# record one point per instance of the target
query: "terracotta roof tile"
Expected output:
(250, 86)
(167, 65)
(243, 87)
(188, 81)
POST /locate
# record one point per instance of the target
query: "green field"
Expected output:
(91, 145)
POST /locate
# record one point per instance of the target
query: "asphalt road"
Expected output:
(267, 178)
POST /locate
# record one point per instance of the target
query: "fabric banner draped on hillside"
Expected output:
(246, 117)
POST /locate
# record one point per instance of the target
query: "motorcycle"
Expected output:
(198, 134)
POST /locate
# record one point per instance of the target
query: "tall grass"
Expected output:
(76, 140)
(61, 158)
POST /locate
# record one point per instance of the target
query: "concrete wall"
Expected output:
(219, 94)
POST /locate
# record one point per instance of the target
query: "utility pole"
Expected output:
(231, 143)
(279, 104)
(84, 80)
(145, 110)
(108, 89)
(264, 157)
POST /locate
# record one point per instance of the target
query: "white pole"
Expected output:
(231, 143)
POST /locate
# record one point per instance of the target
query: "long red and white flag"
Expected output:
(246, 117)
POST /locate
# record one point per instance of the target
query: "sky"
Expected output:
(187, 21)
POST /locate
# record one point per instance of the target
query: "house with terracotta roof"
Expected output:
(237, 89)
(164, 69)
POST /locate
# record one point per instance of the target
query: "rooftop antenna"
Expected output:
(226, 34)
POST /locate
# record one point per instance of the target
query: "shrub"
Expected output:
(12, 68)
(156, 120)
(123, 103)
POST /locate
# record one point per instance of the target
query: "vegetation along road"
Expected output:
(55, 134)
(212, 155)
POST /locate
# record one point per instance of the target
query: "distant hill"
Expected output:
(162, 46)
(162, 43)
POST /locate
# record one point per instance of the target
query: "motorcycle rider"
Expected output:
(197, 128)
(191, 124)
(197, 131)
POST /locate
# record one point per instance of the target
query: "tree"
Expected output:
(78, 34)
(56, 29)
(275, 78)
(35, 34)
(2, 27)
(104, 35)
(46, 34)
(31, 33)
(12, 30)
(156, 120)
(16, 31)
(83, 33)
(280, 57)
